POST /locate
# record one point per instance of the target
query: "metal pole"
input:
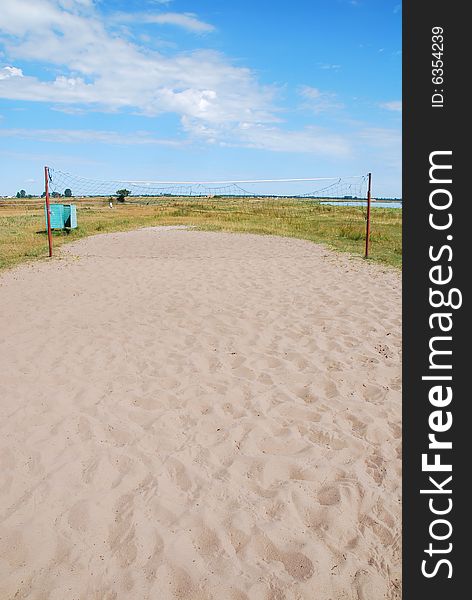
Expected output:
(48, 210)
(367, 225)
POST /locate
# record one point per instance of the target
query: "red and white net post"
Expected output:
(367, 225)
(48, 209)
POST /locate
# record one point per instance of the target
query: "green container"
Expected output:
(57, 216)
(63, 216)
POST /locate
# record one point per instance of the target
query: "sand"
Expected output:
(200, 415)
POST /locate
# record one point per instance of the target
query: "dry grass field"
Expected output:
(23, 236)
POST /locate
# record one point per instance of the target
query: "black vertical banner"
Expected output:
(436, 318)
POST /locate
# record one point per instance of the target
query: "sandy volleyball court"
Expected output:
(193, 415)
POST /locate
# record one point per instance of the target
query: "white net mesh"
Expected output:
(340, 188)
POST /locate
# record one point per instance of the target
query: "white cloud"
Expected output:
(87, 135)
(318, 101)
(217, 102)
(329, 67)
(312, 140)
(188, 21)
(394, 105)
(7, 72)
(70, 110)
(382, 150)
(309, 140)
(110, 73)
(379, 137)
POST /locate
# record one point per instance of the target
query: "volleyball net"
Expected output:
(317, 188)
(247, 194)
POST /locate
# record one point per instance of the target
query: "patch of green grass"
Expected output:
(23, 236)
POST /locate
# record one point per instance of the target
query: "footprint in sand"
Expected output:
(207, 543)
(121, 537)
(376, 467)
(297, 565)
(358, 426)
(370, 586)
(329, 495)
(331, 389)
(307, 394)
(78, 517)
(178, 474)
(154, 560)
(89, 469)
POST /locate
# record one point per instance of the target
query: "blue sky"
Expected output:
(198, 90)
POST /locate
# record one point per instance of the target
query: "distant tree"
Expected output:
(68, 193)
(43, 195)
(121, 194)
(21, 194)
(56, 195)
